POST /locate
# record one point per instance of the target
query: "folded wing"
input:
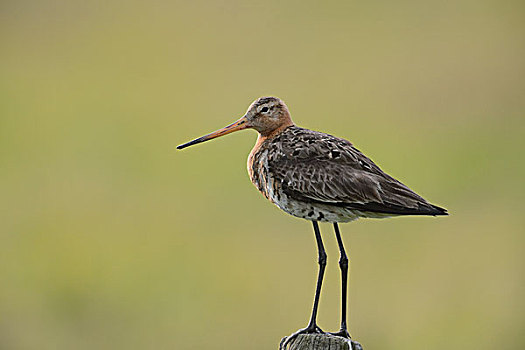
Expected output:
(325, 169)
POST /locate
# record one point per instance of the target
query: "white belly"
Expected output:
(317, 212)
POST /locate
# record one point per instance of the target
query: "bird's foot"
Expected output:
(342, 333)
(285, 342)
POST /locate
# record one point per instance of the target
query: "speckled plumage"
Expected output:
(316, 176)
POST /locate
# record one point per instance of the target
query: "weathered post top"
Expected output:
(322, 342)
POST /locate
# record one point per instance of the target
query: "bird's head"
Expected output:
(267, 115)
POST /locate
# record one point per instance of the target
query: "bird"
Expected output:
(320, 178)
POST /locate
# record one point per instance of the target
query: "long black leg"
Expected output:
(343, 265)
(322, 265)
(312, 325)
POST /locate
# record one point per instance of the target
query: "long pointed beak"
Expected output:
(238, 125)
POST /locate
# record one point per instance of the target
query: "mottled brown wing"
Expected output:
(324, 169)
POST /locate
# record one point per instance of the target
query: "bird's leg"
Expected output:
(343, 265)
(312, 325)
(322, 264)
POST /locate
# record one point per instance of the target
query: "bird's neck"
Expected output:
(270, 134)
(265, 137)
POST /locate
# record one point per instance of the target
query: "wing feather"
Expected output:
(321, 168)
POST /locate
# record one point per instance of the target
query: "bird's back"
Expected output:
(317, 176)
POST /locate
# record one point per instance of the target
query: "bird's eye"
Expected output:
(264, 109)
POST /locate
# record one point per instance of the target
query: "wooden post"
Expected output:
(322, 342)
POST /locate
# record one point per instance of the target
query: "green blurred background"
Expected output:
(111, 239)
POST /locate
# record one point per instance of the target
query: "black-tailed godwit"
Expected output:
(318, 177)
